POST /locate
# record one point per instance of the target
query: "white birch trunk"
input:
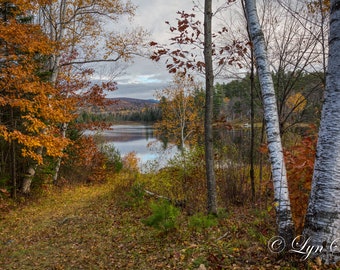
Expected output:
(322, 224)
(54, 68)
(28, 177)
(281, 194)
(58, 163)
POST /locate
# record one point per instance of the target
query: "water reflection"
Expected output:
(123, 133)
(141, 140)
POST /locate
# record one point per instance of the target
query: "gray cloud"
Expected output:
(143, 77)
(141, 90)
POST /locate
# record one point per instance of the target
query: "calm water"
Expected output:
(139, 139)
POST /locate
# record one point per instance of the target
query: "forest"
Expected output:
(252, 109)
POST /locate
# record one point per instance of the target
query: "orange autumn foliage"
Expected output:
(84, 163)
(31, 108)
(299, 160)
(300, 166)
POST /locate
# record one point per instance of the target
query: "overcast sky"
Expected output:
(144, 76)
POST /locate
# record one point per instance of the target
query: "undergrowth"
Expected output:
(86, 227)
(200, 221)
(164, 216)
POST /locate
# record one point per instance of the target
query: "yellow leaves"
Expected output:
(317, 6)
(33, 155)
(33, 125)
(23, 139)
(29, 143)
(4, 132)
(276, 204)
(23, 104)
(297, 102)
(181, 105)
(131, 161)
(54, 145)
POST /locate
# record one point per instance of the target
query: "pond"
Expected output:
(138, 138)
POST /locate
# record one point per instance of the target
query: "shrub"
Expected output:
(190, 169)
(164, 216)
(131, 162)
(113, 158)
(300, 165)
(201, 221)
(84, 163)
(135, 196)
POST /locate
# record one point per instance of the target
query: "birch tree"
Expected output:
(322, 224)
(278, 169)
(79, 30)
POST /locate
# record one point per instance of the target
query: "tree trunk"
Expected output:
(252, 115)
(28, 178)
(209, 103)
(281, 195)
(58, 164)
(252, 128)
(54, 66)
(322, 224)
(13, 160)
(13, 171)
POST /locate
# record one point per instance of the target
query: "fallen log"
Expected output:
(177, 203)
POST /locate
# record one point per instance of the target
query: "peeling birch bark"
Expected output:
(281, 194)
(322, 224)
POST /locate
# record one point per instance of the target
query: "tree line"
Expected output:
(147, 114)
(231, 103)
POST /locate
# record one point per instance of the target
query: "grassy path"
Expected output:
(80, 228)
(90, 228)
(63, 229)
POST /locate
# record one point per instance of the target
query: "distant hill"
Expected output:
(124, 103)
